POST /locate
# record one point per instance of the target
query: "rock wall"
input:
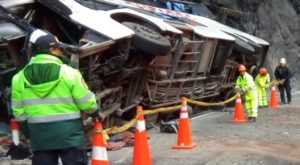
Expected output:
(276, 21)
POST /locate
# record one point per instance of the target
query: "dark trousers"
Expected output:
(69, 156)
(285, 88)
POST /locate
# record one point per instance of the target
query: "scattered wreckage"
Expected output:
(128, 55)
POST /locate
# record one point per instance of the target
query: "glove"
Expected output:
(97, 115)
(281, 82)
(100, 117)
(238, 90)
(274, 84)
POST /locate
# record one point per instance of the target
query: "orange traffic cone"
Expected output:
(99, 153)
(184, 139)
(15, 131)
(238, 111)
(273, 99)
(141, 152)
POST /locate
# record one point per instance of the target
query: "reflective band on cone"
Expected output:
(184, 139)
(273, 99)
(141, 151)
(184, 115)
(238, 111)
(15, 137)
(99, 153)
(140, 125)
(15, 131)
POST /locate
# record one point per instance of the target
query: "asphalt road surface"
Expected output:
(273, 140)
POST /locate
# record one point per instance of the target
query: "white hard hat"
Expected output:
(40, 38)
(282, 61)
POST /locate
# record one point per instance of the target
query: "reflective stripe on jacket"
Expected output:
(262, 81)
(51, 108)
(58, 100)
(247, 85)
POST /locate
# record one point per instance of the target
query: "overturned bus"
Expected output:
(223, 47)
(129, 56)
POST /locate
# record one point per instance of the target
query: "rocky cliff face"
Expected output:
(276, 21)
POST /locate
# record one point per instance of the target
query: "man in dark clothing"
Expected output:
(283, 76)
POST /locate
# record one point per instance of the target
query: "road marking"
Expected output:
(196, 117)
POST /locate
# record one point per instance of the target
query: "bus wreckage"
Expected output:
(128, 55)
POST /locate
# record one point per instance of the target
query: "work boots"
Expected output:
(252, 119)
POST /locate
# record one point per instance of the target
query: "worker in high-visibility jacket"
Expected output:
(246, 85)
(49, 97)
(262, 81)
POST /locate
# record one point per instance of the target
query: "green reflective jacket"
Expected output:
(50, 96)
(262, 81)
(247, 85)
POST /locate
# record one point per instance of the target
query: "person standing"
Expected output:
(283, 75)
(48, 97)
(262, 81)
(245, 84)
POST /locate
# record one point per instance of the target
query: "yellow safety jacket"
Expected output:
(247, 85)
(262, 82)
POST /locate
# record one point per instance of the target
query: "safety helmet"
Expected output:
(282, 61)
(262, 71)
(242, 68)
